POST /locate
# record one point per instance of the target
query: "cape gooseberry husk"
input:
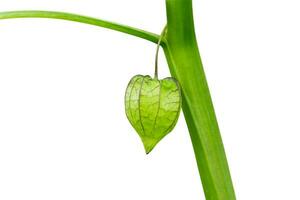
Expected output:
(152, 107)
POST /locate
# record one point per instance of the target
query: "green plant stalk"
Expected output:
(82, 19)
(181, 50)
(185, 64)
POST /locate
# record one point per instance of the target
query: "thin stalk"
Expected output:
(185, 64)
(82, 19)
(157, 51)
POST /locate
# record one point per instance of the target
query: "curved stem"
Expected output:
(157, 51)
(82, 19)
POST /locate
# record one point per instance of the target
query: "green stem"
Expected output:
(82, 19)
(162, 35)
(185, 64)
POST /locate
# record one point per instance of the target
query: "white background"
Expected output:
(63, 131)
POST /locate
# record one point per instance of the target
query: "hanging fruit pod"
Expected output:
(152, 107)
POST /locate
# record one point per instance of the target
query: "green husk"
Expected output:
(152, 106)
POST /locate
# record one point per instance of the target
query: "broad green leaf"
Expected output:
(152, 107)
